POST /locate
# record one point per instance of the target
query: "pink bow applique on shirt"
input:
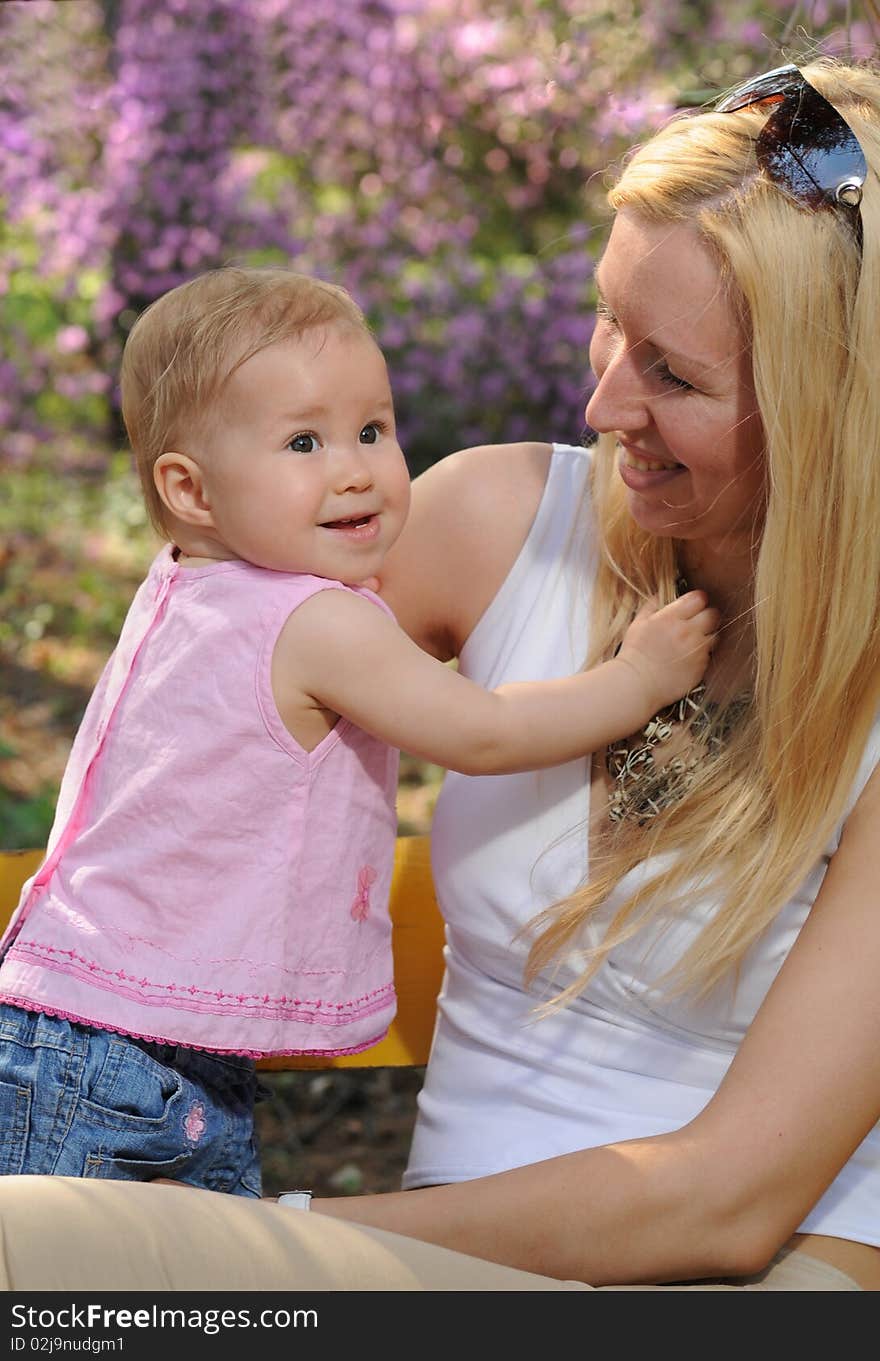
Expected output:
(361, 906)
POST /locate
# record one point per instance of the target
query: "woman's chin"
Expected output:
(663, 521)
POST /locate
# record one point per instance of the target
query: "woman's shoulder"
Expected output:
(471, 513)
(494, 489)
(489, 467)
(512, 477)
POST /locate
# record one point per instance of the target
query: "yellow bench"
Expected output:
(417, 940)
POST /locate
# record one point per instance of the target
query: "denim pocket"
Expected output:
(129, 1089)
(15, 1117)
(139, 1117)
(131, 1107)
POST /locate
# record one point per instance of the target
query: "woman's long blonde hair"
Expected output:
(762, 811)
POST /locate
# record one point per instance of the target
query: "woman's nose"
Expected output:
(617, 401)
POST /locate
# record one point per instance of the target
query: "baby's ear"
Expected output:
(181, 486)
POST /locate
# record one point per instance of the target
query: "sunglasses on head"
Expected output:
(806, 148)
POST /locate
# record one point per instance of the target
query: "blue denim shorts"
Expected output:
(78, 1102)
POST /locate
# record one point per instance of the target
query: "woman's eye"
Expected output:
(370, 433)
(604, 312)
(665, 374)
(303, 444)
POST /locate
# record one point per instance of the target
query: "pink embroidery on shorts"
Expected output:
(361, 906)
(195, 1124)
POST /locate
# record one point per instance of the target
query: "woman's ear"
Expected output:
(181, 486)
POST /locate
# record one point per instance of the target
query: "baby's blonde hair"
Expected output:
(761, 813)
(186, 346)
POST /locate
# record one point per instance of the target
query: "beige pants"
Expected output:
(64, 1233)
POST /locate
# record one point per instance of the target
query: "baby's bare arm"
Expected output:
(351, 659)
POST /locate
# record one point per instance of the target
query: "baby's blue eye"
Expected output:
(370, 433)
(303, 444)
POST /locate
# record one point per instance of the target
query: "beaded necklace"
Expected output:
(641, 788)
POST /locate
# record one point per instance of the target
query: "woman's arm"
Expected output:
(470, 515)
(721, 1195)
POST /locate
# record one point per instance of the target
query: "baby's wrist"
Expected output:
(635, 686)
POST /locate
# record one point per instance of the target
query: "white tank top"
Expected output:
(504, 1089)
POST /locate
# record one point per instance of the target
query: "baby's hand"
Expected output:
(669, 649)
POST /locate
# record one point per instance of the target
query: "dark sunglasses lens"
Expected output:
(806, 146)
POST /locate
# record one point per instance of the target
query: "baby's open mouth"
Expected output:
(351, 522)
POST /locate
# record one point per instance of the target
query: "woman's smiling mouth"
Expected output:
(639, 472)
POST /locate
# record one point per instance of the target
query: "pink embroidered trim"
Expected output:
(189, 997)
(24, 1005)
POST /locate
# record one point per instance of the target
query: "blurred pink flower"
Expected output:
(71, 339)
(476, 39)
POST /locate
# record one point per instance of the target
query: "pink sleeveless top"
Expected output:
(208, 882)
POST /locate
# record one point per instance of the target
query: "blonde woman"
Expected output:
(689, 1088)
